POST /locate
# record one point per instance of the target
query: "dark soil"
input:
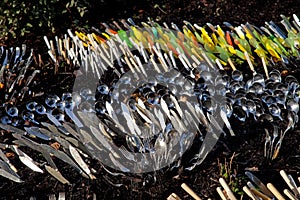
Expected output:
(247, 149)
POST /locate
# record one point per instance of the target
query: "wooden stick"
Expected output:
(249, 193)
(61, 196)
(231, 64)
(208, 60)
(173, 196)
(265, 66)
(227, 189)
(289, 194)
(249, 62)
(219, 64)
(129, 64)
(276, 193)
(47, 42)
(288, 181)
(52, 48)
(259, 194)
(190, 191)
(221, 194)
(195, 59)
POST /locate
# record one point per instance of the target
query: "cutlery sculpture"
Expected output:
(235, 76)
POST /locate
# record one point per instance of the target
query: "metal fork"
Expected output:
(267, 141)
(275, 135)
(278, 144)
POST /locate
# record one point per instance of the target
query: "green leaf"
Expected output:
(72, 3)
(29, 25)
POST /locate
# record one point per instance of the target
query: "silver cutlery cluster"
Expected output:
(137, 122)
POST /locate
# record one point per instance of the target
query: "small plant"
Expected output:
(231, 176)
(38, 17)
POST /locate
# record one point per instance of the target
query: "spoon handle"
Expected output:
(53, 120)
(74, 118)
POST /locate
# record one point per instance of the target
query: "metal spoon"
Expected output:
(29, 116)
(69, 111)
(41, 110)
(289, 126)
(275, 111)
(51, 100)
(275, 135)
(11, 110)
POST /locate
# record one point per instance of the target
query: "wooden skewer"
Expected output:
(276, 193)
(219, 64)
(265, 66)
(134, 64)
(190, 191)
(221, 194)
(289, 194)
(249, 193)
(231, 64)
(129, 64)
(173, 196)
(47, 42)
(183, 61)
(227, 189)
(52, 48)
(186, 60)
(195, 59)
(249, 61)
(208, 60)
(154, 63)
